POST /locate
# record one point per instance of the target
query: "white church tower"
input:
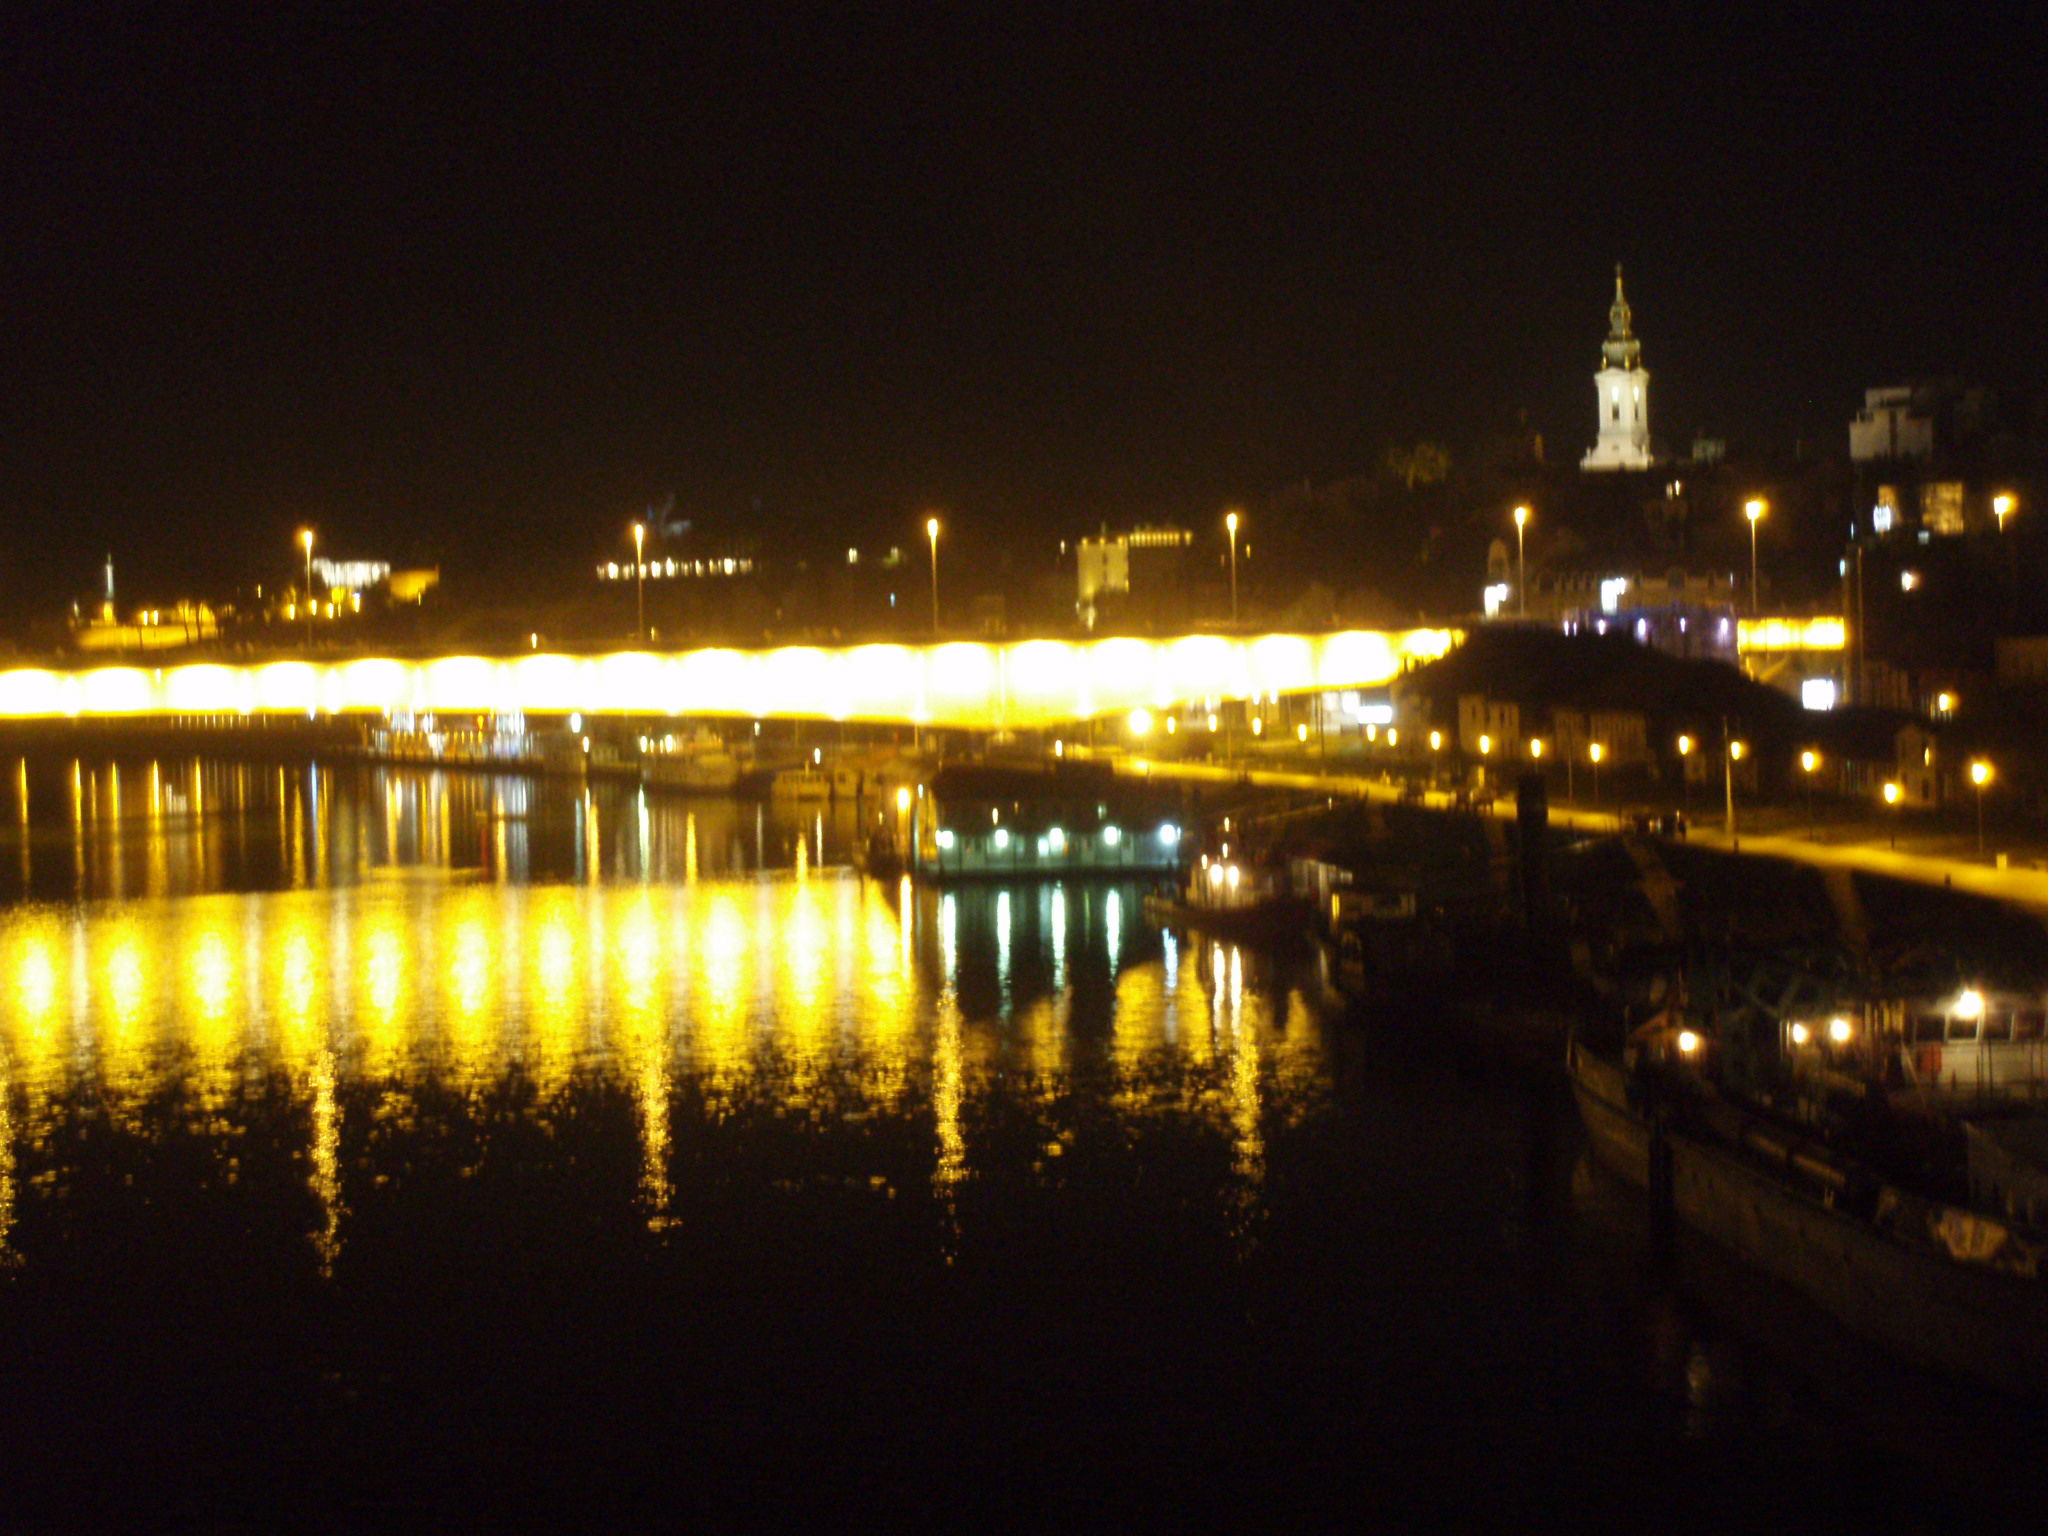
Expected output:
(1623, 389)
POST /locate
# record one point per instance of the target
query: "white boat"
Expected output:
(699, 764)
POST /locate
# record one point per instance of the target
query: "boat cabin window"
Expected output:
(1925, 1028)
(1998, 1025)
(2026, 1023)
(1962, 1029)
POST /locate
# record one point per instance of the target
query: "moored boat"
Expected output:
(1236, 899)
(1942, 1284)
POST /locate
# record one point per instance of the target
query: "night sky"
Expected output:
(476, 285)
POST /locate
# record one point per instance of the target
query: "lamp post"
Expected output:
(931, 531)
(1684, 777)
(306, 538)
(1753, 509)
(1729, 758)
(1596, 751)
(1980, 775)
(2001, 508)
(1230, 524)
(640, 581)
(1521, 562)
(1809, 763)
(1892, 794)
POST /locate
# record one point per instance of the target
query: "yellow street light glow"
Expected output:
(1736, 749)
(1891, 794)
(1838, 1030)
(903, 799)
(1536, 746)
(1753, 509)
(1258, 726)
(1485, 745)
(1393, 737)
(1436, 741)
(1301, 733)
(1944, 703)
(1969, 1004)
(2001, 508)
(1801, 1034)
(1230, 522)
(1809, 760)
(1521, 517)
(1688, 1042)
(1980, 773)
(1031, 684)
(1684, 746)
(1141, 722)
(1596, 751)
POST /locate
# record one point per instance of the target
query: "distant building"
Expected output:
(1621, 395)
(1139, 573)
(1896, 422)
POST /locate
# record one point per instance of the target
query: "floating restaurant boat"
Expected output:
(810, 783)
(1948, 1284)
(697, 764)
(1234, 898)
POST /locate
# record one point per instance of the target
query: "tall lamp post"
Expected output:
(306, 538)
(1596, 751)
(931, 531)
(1230, 524)
(1980, 775)
(1753, 509)
(1521, 562)
(1684, 778)
(1809, 763)
(1892, 795)
(1729, 759)
(640, 581)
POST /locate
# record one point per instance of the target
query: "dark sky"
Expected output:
(475, 284)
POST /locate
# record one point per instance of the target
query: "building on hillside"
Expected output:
(1621, 390)
(1140, 575)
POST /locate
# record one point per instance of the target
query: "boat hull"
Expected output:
(1919, 1303)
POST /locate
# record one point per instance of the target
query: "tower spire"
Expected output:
(1621, 349)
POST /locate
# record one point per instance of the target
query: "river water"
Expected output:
(379, 1147)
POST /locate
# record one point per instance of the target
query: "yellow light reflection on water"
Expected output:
(815, 998)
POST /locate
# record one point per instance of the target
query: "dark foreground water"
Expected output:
(382, 1151)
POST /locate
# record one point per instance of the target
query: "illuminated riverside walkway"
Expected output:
(957, 683)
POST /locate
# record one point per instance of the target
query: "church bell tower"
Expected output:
(1622, 392)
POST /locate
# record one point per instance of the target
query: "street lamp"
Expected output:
(1980, 775)
(306, 538)
(1753, 509)
(1892, 792)
(1809, 763)
(1521, 561)
(1728, 761)
(1684, 778)
(931, 531)
(2001, 508)
(640, 580)
(1595, 751)
(1230, 523)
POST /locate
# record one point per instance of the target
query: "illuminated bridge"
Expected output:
(960, 684)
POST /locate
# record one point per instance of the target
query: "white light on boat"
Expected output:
(1688, 1042)
(1801, 1034)
(1838, 1031)
(1970, 1005)
(946, 837)
(1215, 874)
(1001, 839)
(1169, 834)
(1111, 836)
(1056, 839)
(1231, 877)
